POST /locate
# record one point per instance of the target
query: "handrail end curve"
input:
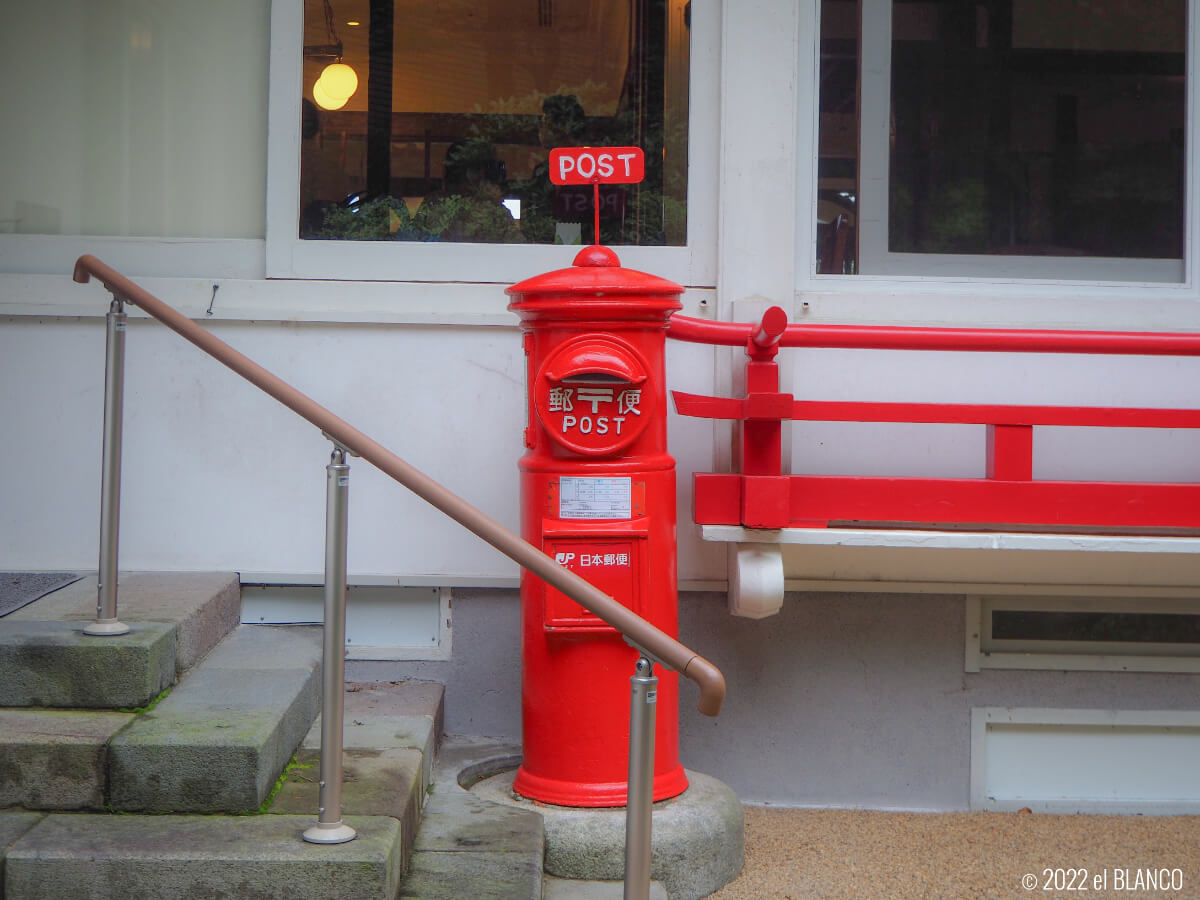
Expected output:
(711, 683)
(83, 267)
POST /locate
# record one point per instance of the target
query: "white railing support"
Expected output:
(639, 804)
(329, 828)
(107, 624)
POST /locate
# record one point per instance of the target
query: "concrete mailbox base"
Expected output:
(697, 840)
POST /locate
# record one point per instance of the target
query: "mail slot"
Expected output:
(590, 395)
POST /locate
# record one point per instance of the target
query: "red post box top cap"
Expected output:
(596, 255)
(596, 272)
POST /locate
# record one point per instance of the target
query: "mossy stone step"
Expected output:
(55, 664)
(175, 618)
(55, 759)
(220, 739)
(101, 857)
(203, 606)
(390, 736)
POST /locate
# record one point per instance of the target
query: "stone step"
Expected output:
(54, 664)
(389, 729)
(173, 857)
(14, 823)
(219, 740)
(390, 736)
(56, 759)
(175, 619)
(467, 846)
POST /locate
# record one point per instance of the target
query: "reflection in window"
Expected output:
(457, 106)
(1050, 128)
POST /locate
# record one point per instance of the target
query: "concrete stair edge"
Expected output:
(181, 857)
(469, 847)
(176, 619)
(56, 665)
(49, 855)
(221, 738)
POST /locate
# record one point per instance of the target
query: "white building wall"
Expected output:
(959, 451)
(841, 700)
(217, 475)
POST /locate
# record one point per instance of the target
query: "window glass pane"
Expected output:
(457, 106)
(837, 164)
(1102, 627)
(1035, 128)
(134, 117)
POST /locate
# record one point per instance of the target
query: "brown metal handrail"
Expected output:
(652, 641)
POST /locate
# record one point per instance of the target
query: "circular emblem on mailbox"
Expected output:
(592, 396)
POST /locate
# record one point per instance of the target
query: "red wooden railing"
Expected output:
(760, 496)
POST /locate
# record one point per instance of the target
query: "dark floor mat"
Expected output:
(19, 589)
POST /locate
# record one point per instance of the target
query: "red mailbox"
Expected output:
(598, 495)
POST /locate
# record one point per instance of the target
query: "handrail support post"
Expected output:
(107, 624)
(329, 828)
(639, 808)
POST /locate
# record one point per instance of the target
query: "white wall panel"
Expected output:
(959, 451)
(1070, 760)
(217, 475)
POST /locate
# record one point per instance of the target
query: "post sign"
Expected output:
(597, 165)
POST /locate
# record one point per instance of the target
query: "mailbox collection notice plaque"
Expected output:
(595, 498)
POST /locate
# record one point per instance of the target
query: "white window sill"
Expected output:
(842, 559)
(270, 300)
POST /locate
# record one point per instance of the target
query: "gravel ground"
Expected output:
(799, 853)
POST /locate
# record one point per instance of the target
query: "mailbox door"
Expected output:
(611, 558)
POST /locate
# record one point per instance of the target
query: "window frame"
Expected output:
(984, 652)
(996, 299)
(287, 256)
(873, 204)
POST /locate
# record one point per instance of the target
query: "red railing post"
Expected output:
(764, 487)
(1010, 452)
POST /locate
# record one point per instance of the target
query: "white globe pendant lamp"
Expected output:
(324, 100)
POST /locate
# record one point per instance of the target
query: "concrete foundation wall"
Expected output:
(841, 700)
